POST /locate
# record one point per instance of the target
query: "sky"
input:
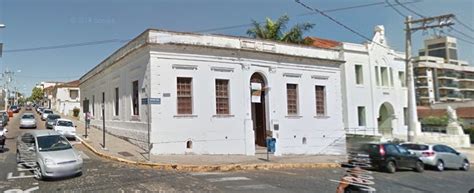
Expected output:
(34, 24)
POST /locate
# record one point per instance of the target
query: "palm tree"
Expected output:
(273, 30)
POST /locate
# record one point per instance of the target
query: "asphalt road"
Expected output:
(105, 176)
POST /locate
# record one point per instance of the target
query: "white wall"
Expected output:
(231, 135)
(369, 94)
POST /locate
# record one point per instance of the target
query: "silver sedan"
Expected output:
(438, 155)
(49, 153)
(28, 121)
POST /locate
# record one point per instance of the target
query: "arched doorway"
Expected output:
(385, 119)
(258, 108)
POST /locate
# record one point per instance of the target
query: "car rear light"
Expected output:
(428, 153)
(381, 150)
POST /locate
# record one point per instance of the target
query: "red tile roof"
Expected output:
(74, 83)
(323, 43)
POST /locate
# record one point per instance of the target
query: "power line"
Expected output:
(462, 33)
(395, 9)
(410, 10)
(197, 31)
(463, 24)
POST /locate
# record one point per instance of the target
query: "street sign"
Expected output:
(151, 101)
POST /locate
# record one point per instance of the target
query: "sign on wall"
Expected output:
(256, 92)
(151, 101)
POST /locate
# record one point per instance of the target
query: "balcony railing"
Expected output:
(467, 76)
(421, 84)
(448, 74)
(449, 85)
(451, 95)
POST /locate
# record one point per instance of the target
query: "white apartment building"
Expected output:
(214, 94)
(65, 97)
(440, 76)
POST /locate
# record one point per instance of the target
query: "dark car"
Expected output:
(15, 109)
(389, 157)
(50, 120)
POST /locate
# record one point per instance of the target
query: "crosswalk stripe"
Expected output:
(247, 187)
(227, 179)
(206, 173)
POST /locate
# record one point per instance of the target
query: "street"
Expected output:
(106, 176)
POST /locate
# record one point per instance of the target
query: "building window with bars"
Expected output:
(116, 102)
(292, 98)
(135, 106)
(185, 97)
(320, 101)
(222, 97)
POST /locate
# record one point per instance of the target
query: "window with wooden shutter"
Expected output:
(222, 97)
(292, 98)
(320, 101)
(185, 97)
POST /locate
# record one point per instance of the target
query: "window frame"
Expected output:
(359, 72)
(226, 98)
(324, 100)
(289, 111)
(135, 98)
(181, 97)
(117, 101)
(364, 121)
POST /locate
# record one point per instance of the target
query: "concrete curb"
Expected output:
(213, 168)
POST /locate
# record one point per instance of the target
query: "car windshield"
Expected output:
(53, 117)
(53, 143)
(47, 111)
(65, 123)
(28, 117)
(13, 107)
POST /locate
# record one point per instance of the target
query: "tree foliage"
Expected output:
(274, 30)
(36, 94)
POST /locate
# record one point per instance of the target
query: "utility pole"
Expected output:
(410, 27)
(7, 74)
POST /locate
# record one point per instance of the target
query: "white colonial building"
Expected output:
(65, 97)
(214, 94)
(374, 93)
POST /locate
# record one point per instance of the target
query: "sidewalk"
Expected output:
(121, 150)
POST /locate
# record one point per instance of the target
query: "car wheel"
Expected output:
(419, 166)
(465, 165)
(391, 168)
(38, 173)
(440, 165)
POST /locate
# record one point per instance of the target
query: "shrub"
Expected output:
(76, 111)
(435, 121)
(470, 132)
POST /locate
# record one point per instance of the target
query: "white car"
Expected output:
(28, 121)
(45, 114)
(65, 127)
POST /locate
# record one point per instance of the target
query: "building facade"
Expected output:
(65, 97)
(373, 86)
(440, 76)
(212, 94)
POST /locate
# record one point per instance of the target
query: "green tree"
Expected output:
(274, 30)
(36, 94)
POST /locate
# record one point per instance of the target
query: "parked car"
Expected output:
(39, 109)
(439, 156)
(28, 107)
(66, 128)
(15, 109)
(49, 153)
(4, 118)
(50, 120)
(390, 157)
(45, 113)
(28, 121)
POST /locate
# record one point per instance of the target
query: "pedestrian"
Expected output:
(88, 119)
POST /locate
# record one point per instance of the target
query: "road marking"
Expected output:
(25, 169)
(20, 190)
(227, 179)
(206, 173)
(84, 155)
(22, 175)
(247, 187)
